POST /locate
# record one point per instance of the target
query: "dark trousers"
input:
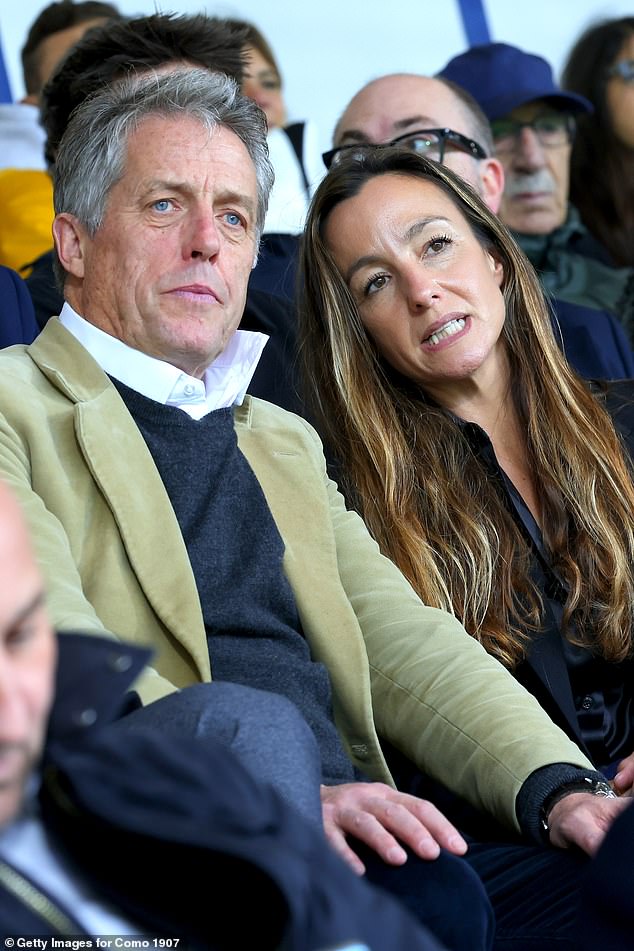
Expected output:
(534, 892)
(446, 895)
(265, 731)
(271, 738)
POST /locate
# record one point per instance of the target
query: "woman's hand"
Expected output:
(382, 818)
(624, 778)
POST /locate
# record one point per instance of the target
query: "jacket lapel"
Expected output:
(281, 464)
(131, 485)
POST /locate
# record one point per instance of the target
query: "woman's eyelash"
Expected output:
(371, 280)
(439, 239)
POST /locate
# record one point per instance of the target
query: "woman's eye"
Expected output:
(438, 244)
(376, 283)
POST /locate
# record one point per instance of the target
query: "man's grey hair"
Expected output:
(93, 150)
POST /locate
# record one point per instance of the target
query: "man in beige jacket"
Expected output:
(170, 510)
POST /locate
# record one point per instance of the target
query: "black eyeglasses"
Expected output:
(552, 130)
(624, 70)
(432, 143)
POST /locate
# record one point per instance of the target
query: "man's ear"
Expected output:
(70, 241)
(492, 179)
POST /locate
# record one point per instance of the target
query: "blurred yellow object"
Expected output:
(26, 200)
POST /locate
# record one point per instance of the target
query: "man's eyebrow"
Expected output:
(412, 232)
(354, 134)
(358, 136)
(238, 198)
(404, 123)
(160, 184)
(33, 605)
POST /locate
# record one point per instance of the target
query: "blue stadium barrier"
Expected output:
(475, 22)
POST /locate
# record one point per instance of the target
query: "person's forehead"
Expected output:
(185, 147)
(395, 105)
(54, 46)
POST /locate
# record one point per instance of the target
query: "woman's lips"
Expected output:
(444, 332)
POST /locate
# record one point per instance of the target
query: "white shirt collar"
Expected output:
(224, 383)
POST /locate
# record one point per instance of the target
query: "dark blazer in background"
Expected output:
(17, 318)
(594, 342)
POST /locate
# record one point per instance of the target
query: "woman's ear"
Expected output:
(497, 268)
(70, 236)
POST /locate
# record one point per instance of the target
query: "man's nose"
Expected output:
(203, 239)
(529, 152)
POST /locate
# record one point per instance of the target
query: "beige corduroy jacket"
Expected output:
(115, 562)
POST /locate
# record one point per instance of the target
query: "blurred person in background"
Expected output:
(534, 123)
(600, 67)
(26, 193)
(295, 157)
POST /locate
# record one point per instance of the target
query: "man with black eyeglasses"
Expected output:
(441, 120)
(425, 115)
(533, 124)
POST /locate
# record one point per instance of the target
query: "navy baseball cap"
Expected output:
(501, 78)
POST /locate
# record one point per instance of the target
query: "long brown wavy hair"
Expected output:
(408, 466)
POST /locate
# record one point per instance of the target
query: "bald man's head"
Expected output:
(395, 105)
(27, 659)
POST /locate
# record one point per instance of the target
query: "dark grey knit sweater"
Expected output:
(253, 628)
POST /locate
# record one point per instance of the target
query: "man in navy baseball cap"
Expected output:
(533, 124)
(533, 127)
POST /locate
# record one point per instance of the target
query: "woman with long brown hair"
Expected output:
(488, 471)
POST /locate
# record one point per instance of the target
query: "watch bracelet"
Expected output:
(595, 787)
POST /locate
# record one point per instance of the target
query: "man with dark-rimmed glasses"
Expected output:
(428, 116)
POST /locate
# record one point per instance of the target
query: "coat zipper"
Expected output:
(36, 900)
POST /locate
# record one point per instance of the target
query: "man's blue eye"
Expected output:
(233, 219)
(164, 204)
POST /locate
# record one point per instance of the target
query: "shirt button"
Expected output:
(85, 717)
(120, 663)
(587, 703)
(189, 389)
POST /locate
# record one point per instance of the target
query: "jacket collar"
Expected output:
(92, 684)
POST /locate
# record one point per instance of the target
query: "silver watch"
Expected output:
(596, 787)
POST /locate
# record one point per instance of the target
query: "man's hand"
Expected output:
(582, 819)
(381, 817)
(624, 778)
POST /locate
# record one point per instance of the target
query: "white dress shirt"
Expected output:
(224, 382)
